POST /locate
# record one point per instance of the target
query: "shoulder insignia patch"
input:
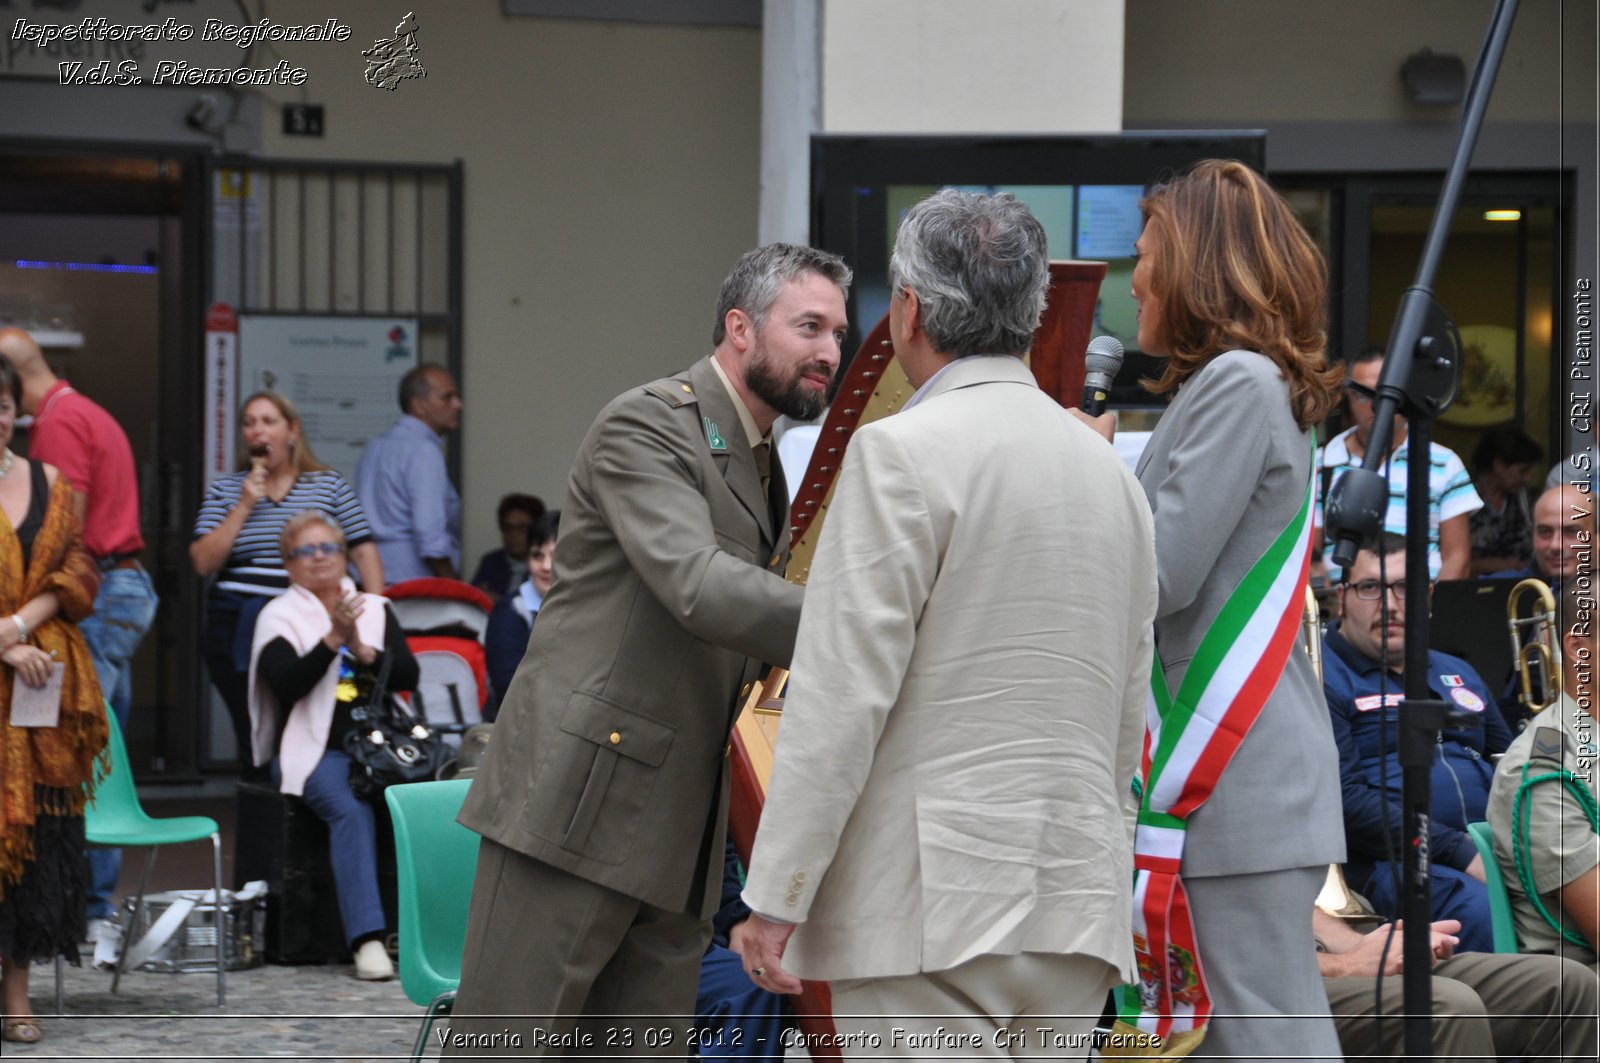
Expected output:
(1547, 743)
(1466, 699)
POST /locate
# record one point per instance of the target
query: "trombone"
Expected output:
(1535, 645)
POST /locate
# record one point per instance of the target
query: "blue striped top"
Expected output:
(253, 565)
(1450, 492)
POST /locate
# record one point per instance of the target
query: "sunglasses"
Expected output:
(309, 550)
(1360, 392)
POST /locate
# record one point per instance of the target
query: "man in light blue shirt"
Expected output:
(414, 509)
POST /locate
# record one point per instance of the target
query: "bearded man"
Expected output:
(603, 799)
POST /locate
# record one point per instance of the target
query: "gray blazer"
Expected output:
(608, 759)
(1225, 471)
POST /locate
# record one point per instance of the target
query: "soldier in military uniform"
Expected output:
(1542, 806)
(603, 799)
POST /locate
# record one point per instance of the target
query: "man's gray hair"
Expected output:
(760, 275)
(980, 267)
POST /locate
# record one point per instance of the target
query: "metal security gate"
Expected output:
(336, 239)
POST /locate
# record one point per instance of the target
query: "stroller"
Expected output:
(444, 621)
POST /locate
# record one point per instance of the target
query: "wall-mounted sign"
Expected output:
(342, 374)
(222, 390)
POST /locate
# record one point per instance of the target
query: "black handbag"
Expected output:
(388, 746)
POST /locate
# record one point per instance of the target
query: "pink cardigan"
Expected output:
(298, 617)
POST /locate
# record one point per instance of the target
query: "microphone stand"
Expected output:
(1421, 373)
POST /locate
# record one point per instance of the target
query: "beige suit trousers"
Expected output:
(1025, 1006)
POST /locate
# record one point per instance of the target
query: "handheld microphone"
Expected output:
(1101, 363)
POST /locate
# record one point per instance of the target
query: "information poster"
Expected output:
(1108, 221)
(341, 373)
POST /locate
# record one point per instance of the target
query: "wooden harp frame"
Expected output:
(875, 386)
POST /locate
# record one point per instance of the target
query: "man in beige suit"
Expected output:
(948, 834)
(603, 799)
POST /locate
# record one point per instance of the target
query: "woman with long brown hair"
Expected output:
(236, 539)
(1240, 814)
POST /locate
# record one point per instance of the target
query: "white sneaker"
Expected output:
(373, 963)
(98, 928)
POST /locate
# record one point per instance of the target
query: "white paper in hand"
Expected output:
(38, 706)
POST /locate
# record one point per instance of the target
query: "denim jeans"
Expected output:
(123, 611)
(352, 842)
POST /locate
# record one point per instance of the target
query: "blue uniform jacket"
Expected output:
(1370, 778)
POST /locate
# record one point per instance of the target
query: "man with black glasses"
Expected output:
(1364, 680)
(1451, 497)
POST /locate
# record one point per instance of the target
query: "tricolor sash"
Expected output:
(1189, 740)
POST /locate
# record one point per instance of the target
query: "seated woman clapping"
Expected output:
(316, 653)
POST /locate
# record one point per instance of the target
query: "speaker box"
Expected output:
(281, 841)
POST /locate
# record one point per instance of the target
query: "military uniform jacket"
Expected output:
(1562, 844)
(609, 753)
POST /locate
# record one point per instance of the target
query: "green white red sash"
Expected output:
(1189, 740)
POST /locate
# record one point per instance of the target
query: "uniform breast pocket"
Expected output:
(598, 785)
(742, 548)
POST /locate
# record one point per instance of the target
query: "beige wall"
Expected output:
(1308, 60)
(1323, 80)
(610, 174)
(952, 66)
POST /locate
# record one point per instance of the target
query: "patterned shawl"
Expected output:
(48, 770)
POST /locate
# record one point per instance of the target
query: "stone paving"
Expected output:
(308, 1013)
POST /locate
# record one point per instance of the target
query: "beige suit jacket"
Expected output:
(608, 759)
(967, 704)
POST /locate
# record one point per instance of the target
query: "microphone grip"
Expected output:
(1096, 389)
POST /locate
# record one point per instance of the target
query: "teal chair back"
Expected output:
(115, 818)
(435, 860)
(1500, 918)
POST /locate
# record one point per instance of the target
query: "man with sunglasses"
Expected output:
(1451, 497)
(1364, 680)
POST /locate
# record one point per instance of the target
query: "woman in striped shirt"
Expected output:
(236, 539)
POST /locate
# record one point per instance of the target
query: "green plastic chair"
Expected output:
(435, 861)
(1501, 921)
(115, 819)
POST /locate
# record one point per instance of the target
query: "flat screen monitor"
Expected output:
(1085, 190)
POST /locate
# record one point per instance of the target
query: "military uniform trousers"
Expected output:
(1533, 1007)
(556, 965)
